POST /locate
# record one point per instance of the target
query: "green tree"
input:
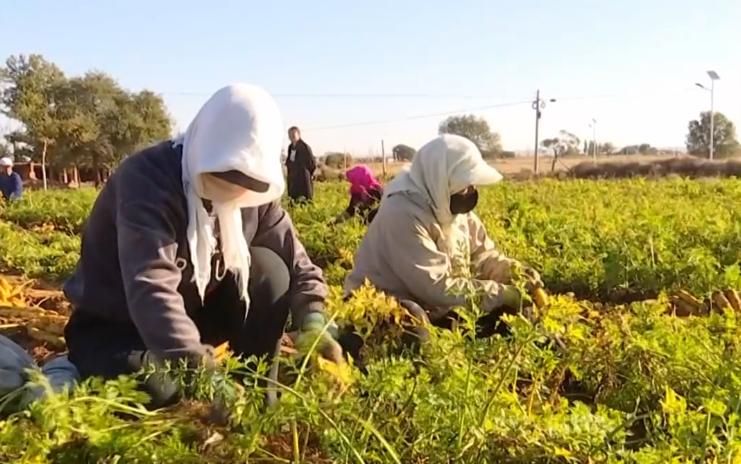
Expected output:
(647, 149)
(5, 150)
(336, 160)
(403, 152)
(28, 95)
(85, 121)
(476, 129)
(725, 143)
(606, 148)
(565, 144)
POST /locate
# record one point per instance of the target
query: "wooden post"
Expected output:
(43, 163)
(383, 158)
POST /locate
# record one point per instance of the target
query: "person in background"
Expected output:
(426, 239)
(365, 194)
(187, 246)
(300, 167)
(11, 184)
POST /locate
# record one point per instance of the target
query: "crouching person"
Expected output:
(425, 237)
(365, 194)
(187, 247)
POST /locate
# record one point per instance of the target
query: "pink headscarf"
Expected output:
(361, 180)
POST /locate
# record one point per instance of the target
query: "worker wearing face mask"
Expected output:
(425, 239)
(187, 247)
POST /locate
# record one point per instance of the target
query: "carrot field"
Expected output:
(647, 370)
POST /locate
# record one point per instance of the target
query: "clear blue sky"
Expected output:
(641, 57)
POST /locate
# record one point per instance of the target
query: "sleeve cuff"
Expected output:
(303, 314)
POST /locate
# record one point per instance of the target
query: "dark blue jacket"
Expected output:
(11, 186)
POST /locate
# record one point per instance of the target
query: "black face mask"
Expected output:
(464, 203)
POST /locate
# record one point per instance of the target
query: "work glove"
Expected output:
(511, 296)
(532, 277)
(528, 274)
(513, 299)
(312, 327)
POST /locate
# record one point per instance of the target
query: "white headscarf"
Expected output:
(239, 128)
(443, 166)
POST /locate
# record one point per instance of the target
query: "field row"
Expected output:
(611, 240)
(624, 384)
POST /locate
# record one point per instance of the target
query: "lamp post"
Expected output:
(538, 105)
(593, 125)
(713, 77)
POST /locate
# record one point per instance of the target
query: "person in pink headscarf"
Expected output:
(365, 194)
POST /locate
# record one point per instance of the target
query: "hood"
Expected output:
(443, 166)
(238, 129)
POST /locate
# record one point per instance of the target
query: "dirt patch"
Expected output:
(282, 445)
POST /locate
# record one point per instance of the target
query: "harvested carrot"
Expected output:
(26, 313)
(687, 297)
(733, 298)
(39, 335)
(682, 308)
(46, 324)
(540, 297)
(221, 351)
(720, 300)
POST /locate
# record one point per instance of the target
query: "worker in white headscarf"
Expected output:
(187, 246)
(427, 248)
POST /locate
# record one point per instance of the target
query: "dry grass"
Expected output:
(520, 165)
(582, 167)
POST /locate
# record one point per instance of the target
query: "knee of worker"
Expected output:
(269, 276)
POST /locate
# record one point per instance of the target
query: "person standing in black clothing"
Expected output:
(300, 164)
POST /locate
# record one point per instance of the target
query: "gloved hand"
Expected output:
(312, 327)
(511, 296)
(513, 300)
(533, 278)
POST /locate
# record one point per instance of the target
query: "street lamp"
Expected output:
(593, 125)
(713, 77)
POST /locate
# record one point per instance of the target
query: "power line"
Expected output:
(357, 95)
(419, 116)
(420, 95)
(487, 107)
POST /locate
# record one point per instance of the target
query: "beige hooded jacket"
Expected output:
(416, 249)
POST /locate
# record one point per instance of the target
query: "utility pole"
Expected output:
(593, 125)
(538, 106)
(712, 118)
